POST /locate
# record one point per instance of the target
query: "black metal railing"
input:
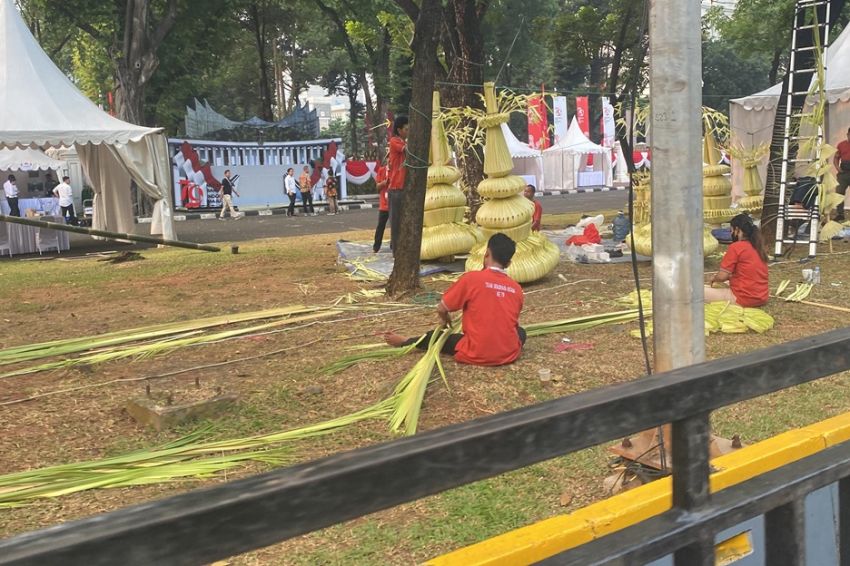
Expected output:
(211, 524)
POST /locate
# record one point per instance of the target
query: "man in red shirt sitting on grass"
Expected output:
(491, 302)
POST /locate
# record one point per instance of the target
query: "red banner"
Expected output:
(538, 123)
(583, 114)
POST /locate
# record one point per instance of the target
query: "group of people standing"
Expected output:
(61, 191)
(309, 192)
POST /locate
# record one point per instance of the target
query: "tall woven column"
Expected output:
(444, 233)
(505, 209)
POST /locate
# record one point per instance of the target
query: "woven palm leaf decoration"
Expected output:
(505, 210)
(444, 232)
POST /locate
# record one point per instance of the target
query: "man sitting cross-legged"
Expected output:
(491, 302)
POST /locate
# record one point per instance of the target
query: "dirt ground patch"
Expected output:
(51, 300)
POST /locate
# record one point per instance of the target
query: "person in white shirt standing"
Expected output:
(65, 195)
(291, 190)
(10, 187)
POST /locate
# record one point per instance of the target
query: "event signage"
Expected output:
(538, 125)
(559, 112)
(609, 134)
(583, 114)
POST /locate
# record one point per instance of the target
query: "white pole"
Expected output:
(677, 211)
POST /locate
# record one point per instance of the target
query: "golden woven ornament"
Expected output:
(501, 187)
(442, 196)
(505, 212)
(444, 233)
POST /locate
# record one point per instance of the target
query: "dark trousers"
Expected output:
(394, 198)
(291, 210)
(13, 205)
(68, 215)
(383, 216)
(307, 201)
(450, 346)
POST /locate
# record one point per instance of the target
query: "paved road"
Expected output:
(253, 227)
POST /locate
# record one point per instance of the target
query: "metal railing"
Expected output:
(211, 524)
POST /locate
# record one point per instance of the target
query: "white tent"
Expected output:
(528, 161)
(751, 118)
(563, 163)
(27, 160)
(41, 108)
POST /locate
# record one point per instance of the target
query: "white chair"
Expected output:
(46, 239)
(5, 241)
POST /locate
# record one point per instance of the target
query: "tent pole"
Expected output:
(107, 234)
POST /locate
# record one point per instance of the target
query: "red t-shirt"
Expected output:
(748, 279)
(537, 216)
(380, 176)
(491, 303)
(844, 150)
(395, 162)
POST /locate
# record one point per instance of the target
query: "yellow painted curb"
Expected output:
(546, 538)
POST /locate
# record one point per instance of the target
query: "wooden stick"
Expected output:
(107, 234)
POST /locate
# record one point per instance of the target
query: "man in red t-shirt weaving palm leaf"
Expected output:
(491, 302)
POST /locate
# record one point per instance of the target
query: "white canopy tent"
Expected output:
(751, 118)
(528, 161)
(28, 160)
(563, 162)
(41, 108)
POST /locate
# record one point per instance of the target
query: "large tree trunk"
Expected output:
(406, 245)
(134, 53)
(260, 39)
(464, 48)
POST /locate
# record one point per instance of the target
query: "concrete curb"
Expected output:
(262, 212)
(354, 205)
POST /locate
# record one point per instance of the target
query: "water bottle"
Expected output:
(621, 227)
(816, 275)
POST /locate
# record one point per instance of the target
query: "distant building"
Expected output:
(728, 6)
(323, 111)
(339, 113)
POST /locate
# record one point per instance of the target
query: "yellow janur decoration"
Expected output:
(444, 232)
(505, 209)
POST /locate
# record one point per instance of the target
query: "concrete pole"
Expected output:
(677, 212)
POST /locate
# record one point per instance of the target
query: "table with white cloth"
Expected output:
(588, 179)
(22, 238)
(46, 205)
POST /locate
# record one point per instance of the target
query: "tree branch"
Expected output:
(165, 26)
(410, 8)
(85, 26)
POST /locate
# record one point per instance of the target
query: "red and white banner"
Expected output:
(609, 132)
(559, 117)
(642, 159)
(538, 123)
(583, 114)
(358, 172)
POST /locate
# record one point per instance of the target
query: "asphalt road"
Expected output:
(254, 227)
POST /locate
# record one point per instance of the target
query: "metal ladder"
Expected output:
(810, 17)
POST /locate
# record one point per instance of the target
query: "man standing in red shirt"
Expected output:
(397, 172)
(537, 217)
(491, 302)
(383, 207)
(842, 165)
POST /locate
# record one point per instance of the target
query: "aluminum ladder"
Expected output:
(810, 17)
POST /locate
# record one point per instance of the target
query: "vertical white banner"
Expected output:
(559, 110)
(609, 134)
